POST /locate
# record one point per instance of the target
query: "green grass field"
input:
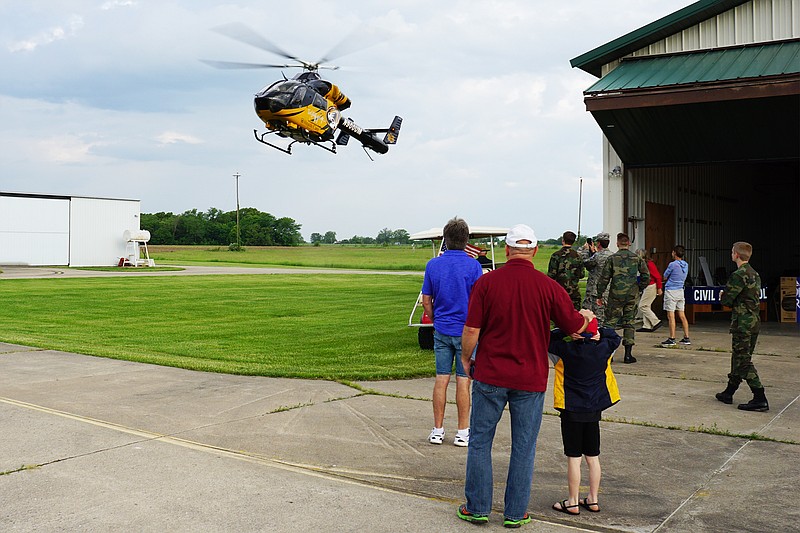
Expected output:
(325, 256)
(339, 327)
(315, 326)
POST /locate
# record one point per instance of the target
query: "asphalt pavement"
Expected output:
(93, 444)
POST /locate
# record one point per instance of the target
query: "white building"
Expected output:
(700, 116)
(42, 229)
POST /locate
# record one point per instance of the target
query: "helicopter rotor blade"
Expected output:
(239, 65)
(239, 32)
(359, 39)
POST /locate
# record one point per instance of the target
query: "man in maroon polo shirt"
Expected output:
(510, 310)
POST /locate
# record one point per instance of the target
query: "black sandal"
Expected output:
(584, 502)
(564, 507)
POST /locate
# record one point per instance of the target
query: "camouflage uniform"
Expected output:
(566, 267)
(619, 275)
(742, 296)
(594, 265)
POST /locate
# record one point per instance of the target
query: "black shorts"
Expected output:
(580, 438)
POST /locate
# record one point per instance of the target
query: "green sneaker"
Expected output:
(479, 519)
(507, 522)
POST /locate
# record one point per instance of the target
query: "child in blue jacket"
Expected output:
(584, 386)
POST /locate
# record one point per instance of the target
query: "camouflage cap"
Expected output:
(602, 237)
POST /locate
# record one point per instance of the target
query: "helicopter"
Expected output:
(305, 108)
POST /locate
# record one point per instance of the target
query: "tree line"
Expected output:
(385, 236)
(256, 228)
(218, 227)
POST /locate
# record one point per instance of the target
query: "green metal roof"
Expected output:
(704, 66)
(593, 60)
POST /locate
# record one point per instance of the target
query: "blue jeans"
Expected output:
(445, 349)
(488, 403)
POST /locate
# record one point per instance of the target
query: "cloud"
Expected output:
(173, 137)
(65, 149)
(113, 4)
(48, 36)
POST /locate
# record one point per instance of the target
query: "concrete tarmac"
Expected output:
(93, 444)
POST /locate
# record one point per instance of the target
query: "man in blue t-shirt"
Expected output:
(445, 297)
(674, 299)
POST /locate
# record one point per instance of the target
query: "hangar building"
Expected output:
(41, 229)
(700, 114)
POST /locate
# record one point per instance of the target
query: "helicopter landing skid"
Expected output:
(288, 149)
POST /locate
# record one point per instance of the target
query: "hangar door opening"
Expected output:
(34, 231)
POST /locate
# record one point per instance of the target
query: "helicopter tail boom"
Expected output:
(367, 137)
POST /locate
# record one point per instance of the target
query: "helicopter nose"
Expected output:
(263, 103)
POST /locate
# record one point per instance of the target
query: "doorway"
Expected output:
(659, 233)
(659, 236)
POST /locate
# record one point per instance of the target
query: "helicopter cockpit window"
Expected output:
(279, 96)
(298, 97)
(318, 101)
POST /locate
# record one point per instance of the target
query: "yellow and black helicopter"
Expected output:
(306, 108)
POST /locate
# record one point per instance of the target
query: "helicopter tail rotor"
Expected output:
(394, 131)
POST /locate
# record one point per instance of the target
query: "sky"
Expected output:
(109, 98)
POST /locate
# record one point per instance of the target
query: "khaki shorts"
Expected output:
(674, 300)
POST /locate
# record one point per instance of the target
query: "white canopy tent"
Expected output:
(435, 236)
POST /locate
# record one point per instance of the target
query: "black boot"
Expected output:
(726, 396)
(758, 403)
(628, 357)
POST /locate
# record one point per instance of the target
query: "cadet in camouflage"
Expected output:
(566, 267)
(594, 258)
(626, 275)
(742, 295)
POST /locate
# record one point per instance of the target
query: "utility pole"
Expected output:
(238, 242)
(580, 205)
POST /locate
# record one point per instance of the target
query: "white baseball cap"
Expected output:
(521, 232)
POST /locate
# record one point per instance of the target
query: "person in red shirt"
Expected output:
(510, 310)
(650, 321)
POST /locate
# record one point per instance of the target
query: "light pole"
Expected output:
(580, 205)
(238, 243)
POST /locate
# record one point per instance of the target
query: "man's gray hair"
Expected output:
(456, 234)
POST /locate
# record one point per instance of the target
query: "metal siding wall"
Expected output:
(658, 47)
(795, 17)
(751, 22)
(691, 38)
(786, 18)
(762, 20)
(708, 33)
(726, 29)
(97, 226)
(34, 231)
(706, 201)
(743, 27)
(674, 43)
(613, 202)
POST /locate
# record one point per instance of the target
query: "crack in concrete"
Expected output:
(722, 467)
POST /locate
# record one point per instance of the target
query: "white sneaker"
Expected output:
(461, 440)
(436, 437)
